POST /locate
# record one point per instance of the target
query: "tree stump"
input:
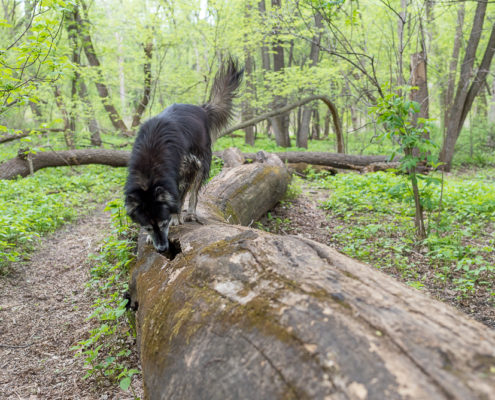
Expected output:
(239, 313)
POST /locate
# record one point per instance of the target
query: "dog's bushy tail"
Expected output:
(219, 107)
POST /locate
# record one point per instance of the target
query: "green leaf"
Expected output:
(125, 383)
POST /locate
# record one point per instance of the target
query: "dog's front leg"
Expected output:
(176, 219)
(193, 200)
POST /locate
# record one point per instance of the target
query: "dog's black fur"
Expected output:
(172, 155)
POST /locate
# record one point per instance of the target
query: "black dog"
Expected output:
(172, 156)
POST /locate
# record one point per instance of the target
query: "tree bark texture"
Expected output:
(240, 313)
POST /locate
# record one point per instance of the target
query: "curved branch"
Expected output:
(283, 110)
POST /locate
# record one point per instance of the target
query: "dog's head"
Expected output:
(152, 209)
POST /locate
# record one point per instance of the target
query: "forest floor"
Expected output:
(44, 304)
(302, 216)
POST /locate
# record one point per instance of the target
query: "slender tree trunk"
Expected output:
(247, 109)
(454, 61)
(78, 85)
(122, 93)
(265, 56)
(303, 131)
(326, 129)
(101, 87)
(280, 123)
(69, 139)
(401, 23)
(316, 124)
(468, 87)
(148, 55)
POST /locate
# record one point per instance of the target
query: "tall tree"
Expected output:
(247, 109)
(469, 83)
(303, 130)
(454, 61)
(280, 123)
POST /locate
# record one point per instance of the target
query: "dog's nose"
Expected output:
(162, 247)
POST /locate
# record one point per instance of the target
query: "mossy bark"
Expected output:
(244, 314)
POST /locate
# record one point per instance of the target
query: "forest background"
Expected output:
(84, 74)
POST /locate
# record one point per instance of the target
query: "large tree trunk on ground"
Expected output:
(239, 313)
(19, 166)
(336, 160)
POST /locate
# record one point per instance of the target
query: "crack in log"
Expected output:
(291, 387)
(443, 389)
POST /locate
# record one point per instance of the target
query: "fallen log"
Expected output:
(24, 164)
(332, 160)
(20, 165)
(238, 313)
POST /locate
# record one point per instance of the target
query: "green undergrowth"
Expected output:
(107, 349)
(36, 205)
(376, 213)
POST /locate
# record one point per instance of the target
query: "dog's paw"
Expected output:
(176, 219)
(149, 240)
(192, 217)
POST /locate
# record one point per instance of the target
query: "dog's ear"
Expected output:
(164, 196)
(131, 203)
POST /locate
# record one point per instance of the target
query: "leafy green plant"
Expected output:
(374, 212)
(107, 349)
(395, 113)
(36, 205)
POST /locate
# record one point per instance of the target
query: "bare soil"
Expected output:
(43, 309)
(303, 217)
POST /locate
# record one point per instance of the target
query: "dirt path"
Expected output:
(43, 307)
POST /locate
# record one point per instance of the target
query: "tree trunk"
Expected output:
(101, 87)
(247, 109)
(420, 80)
(280, 123)
(148, 53)
(468, 87)
(454, 61)
(303, 131)
(238, 313)
(68, 133)
(315, 126)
